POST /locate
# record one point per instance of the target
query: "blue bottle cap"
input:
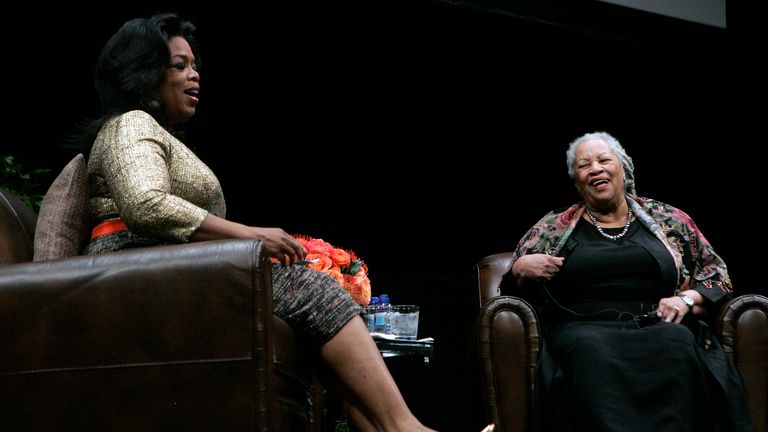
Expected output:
(384, 298)
(374, 300)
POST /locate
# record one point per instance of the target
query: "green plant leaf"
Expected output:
(354, 266)
(27, 185)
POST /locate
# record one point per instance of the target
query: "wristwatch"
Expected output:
(688, 300)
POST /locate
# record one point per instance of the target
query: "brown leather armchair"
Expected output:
(509, 341)
(167, 338)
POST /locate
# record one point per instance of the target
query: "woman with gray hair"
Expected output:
(623, 286)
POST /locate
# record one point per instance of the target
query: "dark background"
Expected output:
(426, 134)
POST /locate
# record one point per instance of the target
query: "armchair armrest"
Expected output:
(509, 344)
(743, 331)
(164, 338)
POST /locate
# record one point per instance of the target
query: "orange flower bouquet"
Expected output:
(346, 267)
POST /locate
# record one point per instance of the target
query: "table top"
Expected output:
(389, 347)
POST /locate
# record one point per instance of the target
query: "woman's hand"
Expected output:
(673, 309)
(536, 267)
(279, 244)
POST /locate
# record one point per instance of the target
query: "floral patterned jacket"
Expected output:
(698, 266)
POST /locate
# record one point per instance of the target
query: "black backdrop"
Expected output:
(426, 134)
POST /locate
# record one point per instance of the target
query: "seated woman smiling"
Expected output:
(598, 273)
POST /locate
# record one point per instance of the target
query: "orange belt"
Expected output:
(108, 227)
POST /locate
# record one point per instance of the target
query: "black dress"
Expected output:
(602, 370)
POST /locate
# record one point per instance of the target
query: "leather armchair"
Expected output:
(508, 337)
(166, 338)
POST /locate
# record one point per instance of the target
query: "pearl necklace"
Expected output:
(608, 236)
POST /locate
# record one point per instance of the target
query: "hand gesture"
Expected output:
(536, 267)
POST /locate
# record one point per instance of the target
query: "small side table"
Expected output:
(410, 363)
(402, 357)
(402, 347)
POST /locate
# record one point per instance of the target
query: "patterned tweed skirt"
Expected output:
(309, 300)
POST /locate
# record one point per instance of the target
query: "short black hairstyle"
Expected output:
(131, 66)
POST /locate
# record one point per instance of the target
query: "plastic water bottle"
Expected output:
(383, 323)
(370, 313)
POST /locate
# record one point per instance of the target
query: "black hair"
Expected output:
(131, 66)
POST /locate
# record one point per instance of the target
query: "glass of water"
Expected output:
(405, 321)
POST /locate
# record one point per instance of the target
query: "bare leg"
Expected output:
(358, 418)
(355, 360)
